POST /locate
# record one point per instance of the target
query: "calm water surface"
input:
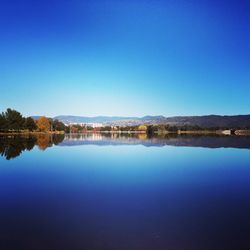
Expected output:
(125, 193)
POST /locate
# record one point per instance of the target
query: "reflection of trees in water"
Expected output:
(13, 146)
(171, 139)
(57, 139)
(48, 140)
(44, 141)
(142, 136)
(122, 136)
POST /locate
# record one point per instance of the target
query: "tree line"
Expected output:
(13, 121)
(148, 128)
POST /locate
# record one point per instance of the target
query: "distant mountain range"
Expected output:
(111, 120)
(202, 121)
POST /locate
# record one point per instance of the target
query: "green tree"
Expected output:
(2, 122)
(58, 126)
(67, 129)
(14, 120)
(30, 124)
(106, 128)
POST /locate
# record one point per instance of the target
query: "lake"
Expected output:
(120, 192)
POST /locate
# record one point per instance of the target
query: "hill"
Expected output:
(209, 121)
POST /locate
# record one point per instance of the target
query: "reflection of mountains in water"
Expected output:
(208, 141)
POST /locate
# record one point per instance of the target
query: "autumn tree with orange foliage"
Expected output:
(43, 124)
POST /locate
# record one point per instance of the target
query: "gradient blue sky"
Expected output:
(129, 58)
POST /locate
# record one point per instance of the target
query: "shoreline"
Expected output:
(179, 132)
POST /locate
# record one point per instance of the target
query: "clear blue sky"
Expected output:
(130, 57)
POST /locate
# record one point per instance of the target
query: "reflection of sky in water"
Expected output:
(127, 197)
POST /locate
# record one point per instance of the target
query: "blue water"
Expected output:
(125, 197)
